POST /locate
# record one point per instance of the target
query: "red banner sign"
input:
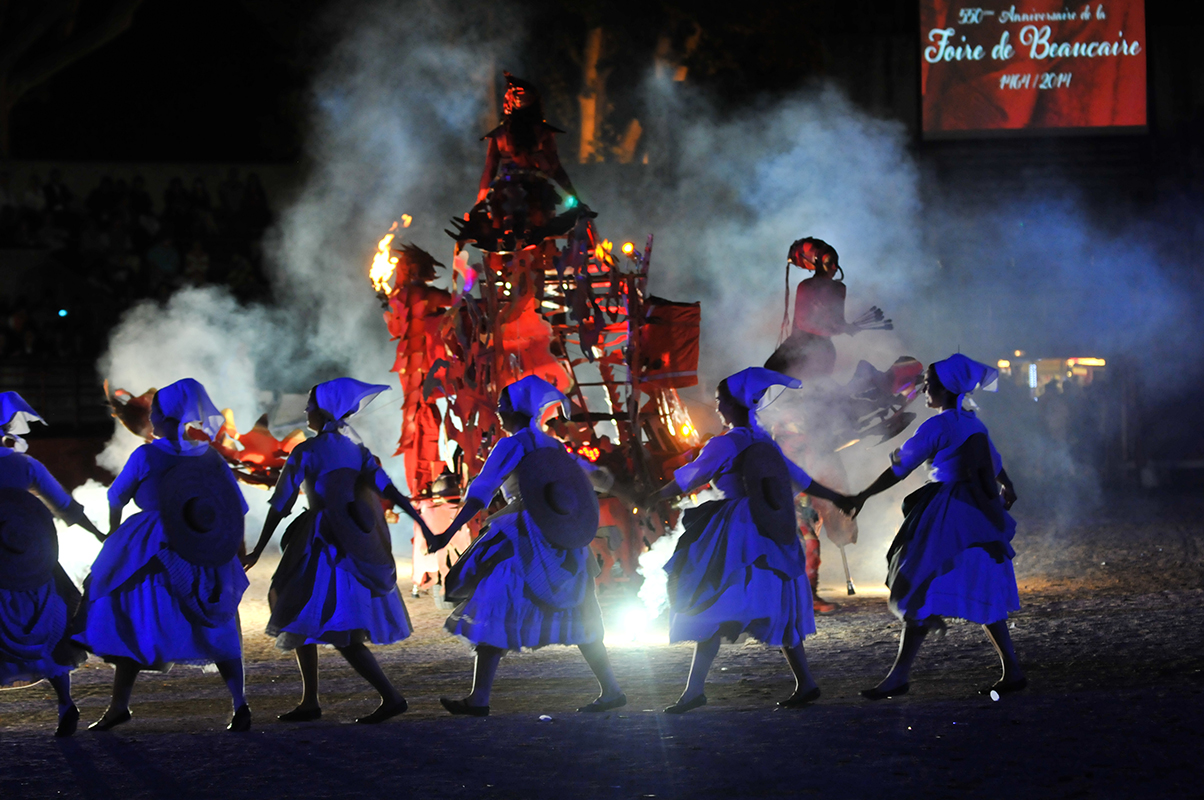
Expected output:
(1045, 65)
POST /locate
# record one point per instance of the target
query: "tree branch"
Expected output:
(29, 34)
(117, 22)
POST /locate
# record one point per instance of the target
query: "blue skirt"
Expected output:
(321, 596)
(726, 578)
(517, 592)
(143, 602)
(952, 559)
(33, 631)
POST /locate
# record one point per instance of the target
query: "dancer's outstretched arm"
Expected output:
(265, 536)
(887, 479)
(469, 510)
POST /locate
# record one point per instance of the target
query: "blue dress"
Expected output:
(725, 577)
(951, 557)
(145, 602)
(33, 622)
(320, 595)
(516, 591)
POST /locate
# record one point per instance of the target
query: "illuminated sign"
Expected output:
(1040, 66)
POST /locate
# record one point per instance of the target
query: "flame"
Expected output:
(406, 219)
(384, 263)
(602, 252)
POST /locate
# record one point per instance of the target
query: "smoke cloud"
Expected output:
(397, 112)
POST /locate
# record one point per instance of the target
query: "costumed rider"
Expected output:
(952, 556)
(337, 581)
(739, 566)
(528, 579)
(37, 599)
(521, 162)
(166, 585)
(808, 351)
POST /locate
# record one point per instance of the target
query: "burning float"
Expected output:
(550, 297)
(534, 289)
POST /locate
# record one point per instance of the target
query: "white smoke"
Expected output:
(398, 111)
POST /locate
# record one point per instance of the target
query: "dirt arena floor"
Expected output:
(1111, 632)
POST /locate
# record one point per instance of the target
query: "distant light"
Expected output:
(570, 202)
(1032, 376)
(62, 312)
(1086, 362)
(1003, 363)
(628, 248)
(1018, 353)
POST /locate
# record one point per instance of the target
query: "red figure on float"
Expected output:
(415, 310)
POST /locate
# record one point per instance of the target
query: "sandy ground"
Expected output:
(1111, 632)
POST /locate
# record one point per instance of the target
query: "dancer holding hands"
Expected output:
(166, 586)
(952, 557)
(37, 599)
(739, 565)
(528, 580)
(337, 581)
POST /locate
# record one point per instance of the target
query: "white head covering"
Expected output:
(531, 396)
(748, 386)
(187, 402)
(962, 375)
(15, 416)
(342, 398)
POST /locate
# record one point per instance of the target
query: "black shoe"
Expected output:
(608, 705)
(798, 700)
(882, 694)
(384, 712)
(68, 722)
(1005, 688)
(104, 724)
(241, 721)
(461, 707)
(301, 715)
(681, 708)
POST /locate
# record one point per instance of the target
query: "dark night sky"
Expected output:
(191, 80)
(226, 80)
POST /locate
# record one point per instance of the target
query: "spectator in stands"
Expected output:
(102, 200)
(177, 205)
(196, 264)
(163, 262)
(141, 204)
(6, 194)
(58, 197)
(229, 194)
(203, 223)
(34, 198)
(256, 213)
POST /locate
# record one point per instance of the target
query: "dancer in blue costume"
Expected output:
(516, 590)
(725, 577)
(146, 607)
(952, 557)
(321, 593)
(34, 620)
